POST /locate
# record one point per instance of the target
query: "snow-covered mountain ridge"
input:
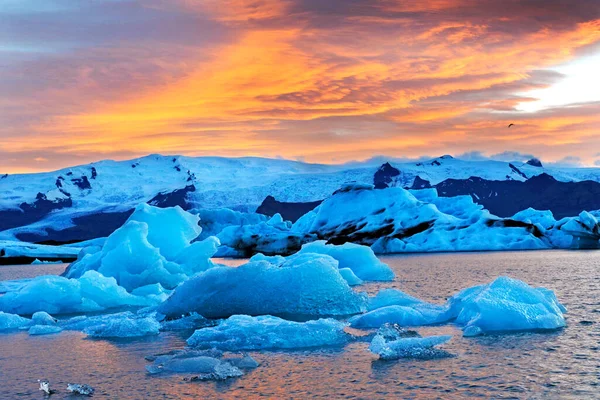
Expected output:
(53, 200)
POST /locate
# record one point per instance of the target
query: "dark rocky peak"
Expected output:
(288, 211)
(535, 162)
(177, 168)
(178, 197)
(69, 173)
(420, 183)
(94, 173)
(541, 180)
(4, 176)
(383, 176)
(135, 164)
(446, 157)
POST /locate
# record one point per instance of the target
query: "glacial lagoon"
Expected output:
(533, 365)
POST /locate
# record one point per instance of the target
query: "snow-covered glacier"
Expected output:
(90, 201)
(395, 220)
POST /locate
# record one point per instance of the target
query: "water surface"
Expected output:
(561, 364)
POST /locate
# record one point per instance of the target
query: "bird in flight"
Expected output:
(509, 125)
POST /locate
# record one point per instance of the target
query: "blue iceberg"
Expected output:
(243, 332)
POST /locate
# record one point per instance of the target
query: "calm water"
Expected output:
(564, 364)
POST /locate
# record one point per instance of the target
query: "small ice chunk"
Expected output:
(192, 321)
(45, 386)
(349, 276)
(389, 343)
(207, 365)
(242, 332)
(243, 362)
(124, 327)
(125, 324)
(44, 330)
(12, 321)
(85, 390)
(43, 318)
(360, 259)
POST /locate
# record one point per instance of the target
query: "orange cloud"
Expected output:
(326, 82)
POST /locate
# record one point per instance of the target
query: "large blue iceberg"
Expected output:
(505, 305)
(154, 246)
(302, 285)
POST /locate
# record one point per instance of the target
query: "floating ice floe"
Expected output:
(505, 305)
(44, 330)
(192, 321)
(120, 325)
(269, 237)
(396, 307)
(392, 342)
(12, 321)
(394, 220)
(242, 332)
(76, 388)
(302, 285)
(154, 246)
(59, 295)
(204, 365)
(32, 251)
(359, 259)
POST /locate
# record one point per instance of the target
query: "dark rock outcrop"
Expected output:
(420, 183)
(85, 227)
(177, 197)
(541, 192)
(288, 211)
(535, 162)
(31, 212)
(384, 176)
(82, 183)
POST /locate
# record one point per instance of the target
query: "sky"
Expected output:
(319, 81)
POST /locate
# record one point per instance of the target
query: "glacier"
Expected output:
(118, 325)
(301, 285)
(395, 220)
(59, 295)
(243, 332)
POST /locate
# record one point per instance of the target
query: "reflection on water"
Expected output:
(559, 364)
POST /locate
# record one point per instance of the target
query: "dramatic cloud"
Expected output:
(323, 81)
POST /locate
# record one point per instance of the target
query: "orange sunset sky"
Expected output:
(321, 81)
